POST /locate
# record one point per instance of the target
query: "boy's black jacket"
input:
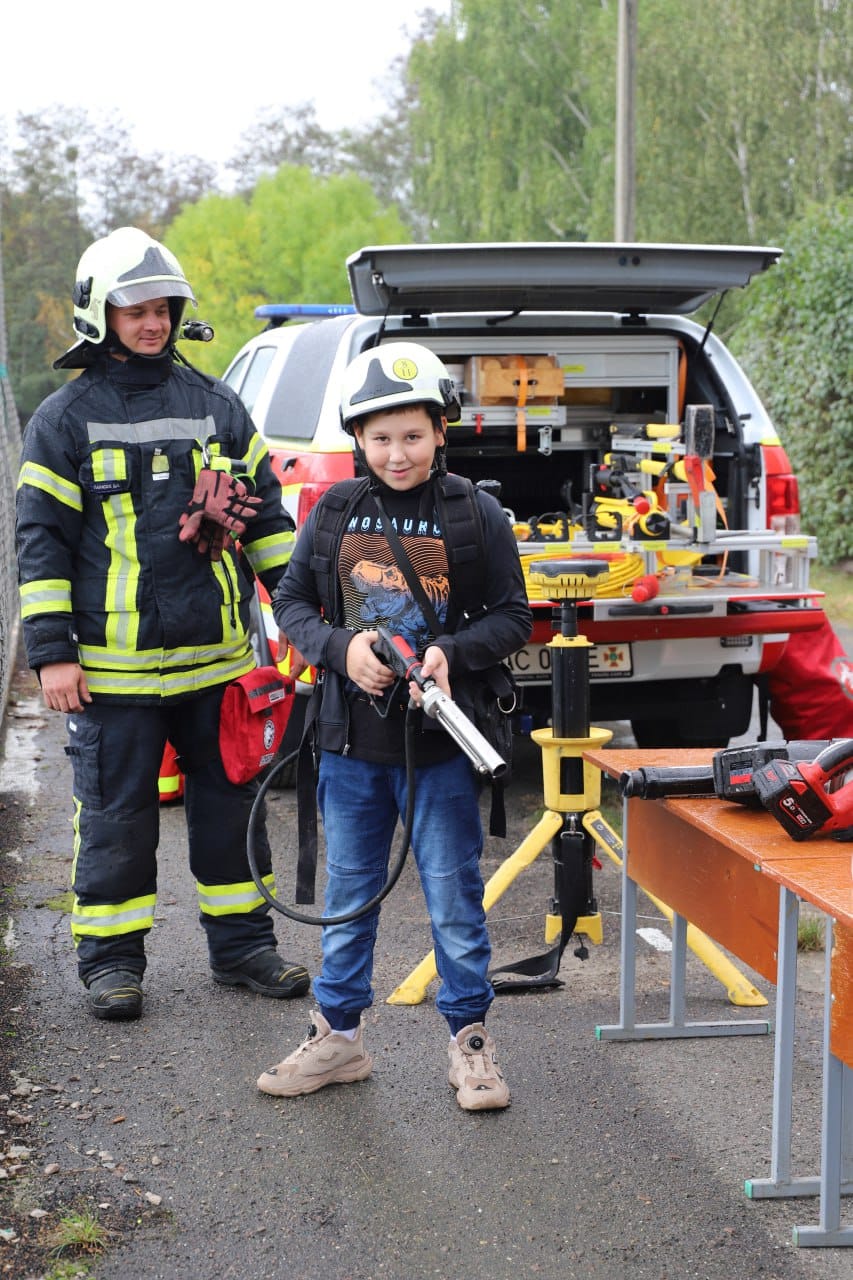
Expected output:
(310, 588)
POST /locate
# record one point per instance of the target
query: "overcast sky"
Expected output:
(189, 78)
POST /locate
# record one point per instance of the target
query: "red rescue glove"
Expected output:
(219, 499)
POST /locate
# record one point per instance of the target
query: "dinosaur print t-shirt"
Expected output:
(375, 593)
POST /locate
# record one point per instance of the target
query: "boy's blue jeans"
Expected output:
(360, 802)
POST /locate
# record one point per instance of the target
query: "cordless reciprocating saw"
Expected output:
(398, 654)
(802, 784)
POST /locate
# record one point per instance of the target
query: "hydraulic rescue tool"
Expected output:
(807, 786)
(729, 776)
(397, 654)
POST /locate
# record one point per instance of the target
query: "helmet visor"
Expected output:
(134, 291)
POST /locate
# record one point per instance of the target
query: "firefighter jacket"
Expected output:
(109, 464)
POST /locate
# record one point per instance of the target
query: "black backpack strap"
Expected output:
(462, 531)
(306, 806)
(332, 513)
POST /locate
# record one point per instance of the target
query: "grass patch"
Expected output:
(68, 1270)
(78, 1232)
(62, 902)
(810, 934)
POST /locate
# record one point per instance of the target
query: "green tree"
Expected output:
(124, 188)
(287, 242)
(65, 181)
(742, 115)
(500, 118)
(379, 152)
(796, 343)
(42, 240)
(284, 136)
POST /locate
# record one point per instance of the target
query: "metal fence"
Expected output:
(10, 452)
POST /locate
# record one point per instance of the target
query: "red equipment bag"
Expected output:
(254, 716)
(811, 688)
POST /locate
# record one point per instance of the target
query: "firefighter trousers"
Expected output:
(115, 751)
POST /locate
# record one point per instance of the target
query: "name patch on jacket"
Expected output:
(103, 488)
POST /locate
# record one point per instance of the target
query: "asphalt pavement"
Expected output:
(614, 1159)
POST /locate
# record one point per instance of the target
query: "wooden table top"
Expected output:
(819, 870)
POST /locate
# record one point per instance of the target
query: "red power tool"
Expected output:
(811, 797)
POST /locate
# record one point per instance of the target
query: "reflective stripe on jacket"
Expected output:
(109, 464)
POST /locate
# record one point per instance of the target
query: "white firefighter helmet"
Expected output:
(392, 375)
(124, 268)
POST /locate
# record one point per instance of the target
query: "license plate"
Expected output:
(532, 664)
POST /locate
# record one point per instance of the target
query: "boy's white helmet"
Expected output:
(395, 374)
(124, 268)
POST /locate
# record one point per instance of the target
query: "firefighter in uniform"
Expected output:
(135, 478)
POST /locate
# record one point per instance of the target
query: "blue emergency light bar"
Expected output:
(280, 312)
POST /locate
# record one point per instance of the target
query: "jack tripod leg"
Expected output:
(413, 989)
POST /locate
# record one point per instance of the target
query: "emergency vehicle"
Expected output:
(611, 424)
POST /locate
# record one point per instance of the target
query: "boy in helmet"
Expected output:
(396, 402)
(135, 478)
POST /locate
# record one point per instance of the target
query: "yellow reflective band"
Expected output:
(136, 685)
(49, 595)
(167, 785)
(269, 553)
(109, 464)
(225, 572)
(232, 899)
(122, 627)
(256, 452)
(108, 919)
(51, 483)
(155, 661)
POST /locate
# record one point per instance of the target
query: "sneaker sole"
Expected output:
(340, 1075)
(289, 988)
(484, 1105)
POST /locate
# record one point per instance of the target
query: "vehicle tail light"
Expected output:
(310, 494)
(783, 494)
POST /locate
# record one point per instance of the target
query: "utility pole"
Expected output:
(626, 68)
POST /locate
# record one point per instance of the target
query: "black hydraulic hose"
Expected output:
(393, 875)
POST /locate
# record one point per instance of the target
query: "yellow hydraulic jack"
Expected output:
(571, 788)
(571, 823)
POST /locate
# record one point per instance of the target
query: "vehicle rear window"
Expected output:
(233, 376)
(261, 361)
(298, 396)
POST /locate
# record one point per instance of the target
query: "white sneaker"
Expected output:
(325, 1057)
(474, 1071)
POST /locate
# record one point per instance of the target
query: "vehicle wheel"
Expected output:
(669, 733)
